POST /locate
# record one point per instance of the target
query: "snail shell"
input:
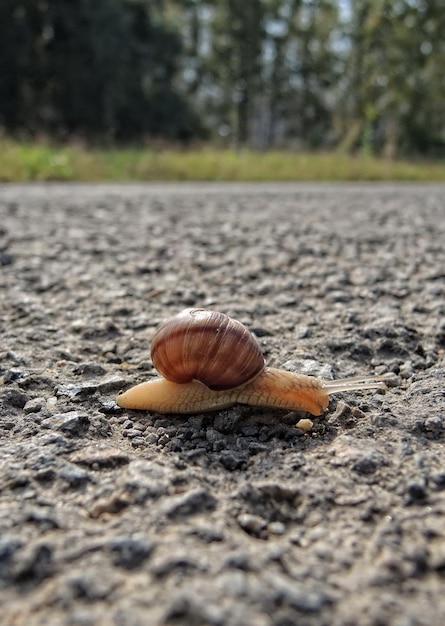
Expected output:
(208, 346)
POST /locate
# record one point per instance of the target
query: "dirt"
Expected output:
(234, 518)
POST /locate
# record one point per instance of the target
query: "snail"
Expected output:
(210, 361)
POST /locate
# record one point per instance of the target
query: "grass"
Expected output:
(42, 162)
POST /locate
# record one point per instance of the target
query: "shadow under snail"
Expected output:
(210, 361)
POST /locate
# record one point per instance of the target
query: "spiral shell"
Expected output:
(204, 345)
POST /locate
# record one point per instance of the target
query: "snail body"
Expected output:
(209, 361)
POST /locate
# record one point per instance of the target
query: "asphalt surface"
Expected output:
(234, 518)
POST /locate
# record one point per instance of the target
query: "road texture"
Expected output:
(235, 518)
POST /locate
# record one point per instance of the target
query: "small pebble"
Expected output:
(305, 425)
(252, 524)
(276, 528)
(35, 405)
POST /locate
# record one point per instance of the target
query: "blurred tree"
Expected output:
(313, 70)
(273, 63)
(101, 69)
(19, 57)
(394, 87)
(422, 118)
(359, 74)
(235, 65)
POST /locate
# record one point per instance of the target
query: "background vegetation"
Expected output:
(39, 162)
(354, 76)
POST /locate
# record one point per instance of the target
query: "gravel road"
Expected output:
(234, 518)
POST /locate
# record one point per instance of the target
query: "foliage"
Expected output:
(102, 69)
(395, 88)
(361, 76)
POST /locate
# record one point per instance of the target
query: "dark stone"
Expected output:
(416, 492)
(36, 564)
(6, 259)
(190, 503)
(439, 480)
(13, 375)
(365, 466)
(297, 596)
(71, 423)
(181, 563)
(130, 552)
(255, 447)
(15, 398)
(75, 476)
(45, 476)
(187, 609)
(8, 548)
(100, 455)
(232, 460)
(90, 369)
(42, 518)
(239, 560)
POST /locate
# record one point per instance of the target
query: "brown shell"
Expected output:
(204, 345)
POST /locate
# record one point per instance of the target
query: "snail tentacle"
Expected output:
(354, 383)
